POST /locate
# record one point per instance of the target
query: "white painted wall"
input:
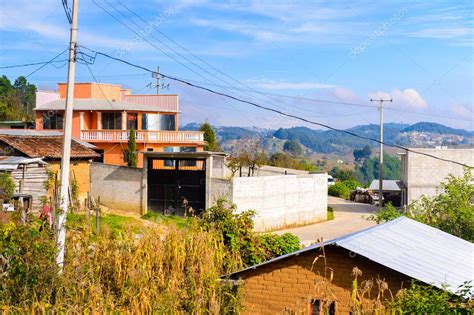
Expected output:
(282, 200)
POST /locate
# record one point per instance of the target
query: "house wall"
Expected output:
(92, 90)
(423, 175)
(80, 170)
(117, 186)
(293, 282)
(282, 200)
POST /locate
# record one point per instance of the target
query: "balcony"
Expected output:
(143, 136)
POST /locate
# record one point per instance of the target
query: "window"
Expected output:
(158, 122)
(149, 149)
(318, 307)
(188, 162)
(132, 121)
(52, 120)
(112, 121)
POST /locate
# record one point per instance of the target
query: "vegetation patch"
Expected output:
(180, 222)
(330, 214)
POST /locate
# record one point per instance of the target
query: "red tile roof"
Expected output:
(47, 147)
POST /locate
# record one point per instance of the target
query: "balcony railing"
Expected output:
(142, 136)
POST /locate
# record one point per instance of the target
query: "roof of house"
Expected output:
(42, 133)
(388, 185)
(10, 163)
(409, 247)
(46, 147)
(102, 104)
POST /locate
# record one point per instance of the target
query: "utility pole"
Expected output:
(381, 101)
(65, 160)
(158, 80)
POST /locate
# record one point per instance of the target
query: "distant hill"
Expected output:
(437, 128)
(329, 141)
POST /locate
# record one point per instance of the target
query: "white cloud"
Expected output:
(282, 85)
(442, 33)
(408, 98)
(462, 111)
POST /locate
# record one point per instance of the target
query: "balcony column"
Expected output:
(81, 121)
(124, 120)
(99, 120)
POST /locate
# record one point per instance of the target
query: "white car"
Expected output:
(330, 180)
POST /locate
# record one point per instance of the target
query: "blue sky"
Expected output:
(292, 53)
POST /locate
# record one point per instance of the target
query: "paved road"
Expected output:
(348, 218)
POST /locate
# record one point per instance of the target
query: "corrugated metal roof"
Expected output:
(409, 247)
(103, 104)
(5, 160)
(387, 184)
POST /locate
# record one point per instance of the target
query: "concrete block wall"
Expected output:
(118, 187)
(424, 174)
(283, 200)
(292, 283)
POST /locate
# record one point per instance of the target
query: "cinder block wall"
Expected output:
(291, 284)
(117, 186)
(282, 201)
(425, 174)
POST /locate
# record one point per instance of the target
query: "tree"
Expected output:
(7, 187)
(16, 101)
(369, 170)
(209, 137)
(26, 93)
(131, 153)
(292, 147)
(341, 174)
(362, 153)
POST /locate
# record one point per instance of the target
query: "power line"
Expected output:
(278, 111)
(48, 62)
(31, 64)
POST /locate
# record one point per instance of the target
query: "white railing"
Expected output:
(142, 136)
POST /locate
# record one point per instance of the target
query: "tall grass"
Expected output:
(160, 271)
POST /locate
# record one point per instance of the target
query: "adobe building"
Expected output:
(319, 279)
(103, 115)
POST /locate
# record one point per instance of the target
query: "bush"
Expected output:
(339, 190)
(7, 187)
(330, 214)
(385, 214)
(351, 184)
(238, 235)
(276, 245)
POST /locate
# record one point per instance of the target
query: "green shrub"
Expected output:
(7, 187)
(239, 237)
(277, 245)
(330, 214)
(339, 190)
(385, 214)
(351, 184)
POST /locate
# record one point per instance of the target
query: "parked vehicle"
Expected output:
(330, 180)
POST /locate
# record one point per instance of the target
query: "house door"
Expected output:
(176, 186)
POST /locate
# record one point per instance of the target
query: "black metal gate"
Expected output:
(176, 186)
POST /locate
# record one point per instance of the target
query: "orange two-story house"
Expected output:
(103, 115)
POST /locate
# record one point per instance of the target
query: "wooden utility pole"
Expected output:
(66, 156)
(381, 101)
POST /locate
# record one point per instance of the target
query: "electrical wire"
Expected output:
(47, 63)
(31, 64)
(277, 111)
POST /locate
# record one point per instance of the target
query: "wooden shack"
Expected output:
(29, 176)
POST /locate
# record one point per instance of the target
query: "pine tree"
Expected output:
(209, 137)
(131, 153)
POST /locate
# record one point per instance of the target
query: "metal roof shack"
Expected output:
(387, 185)
(411, 248)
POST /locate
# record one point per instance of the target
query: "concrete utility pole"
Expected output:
(381, 101)
(65, 160)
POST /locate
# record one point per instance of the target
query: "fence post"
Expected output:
(97, 218)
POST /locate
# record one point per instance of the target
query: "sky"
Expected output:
(306, 58)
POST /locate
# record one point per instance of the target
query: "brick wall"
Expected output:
(291, 283)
